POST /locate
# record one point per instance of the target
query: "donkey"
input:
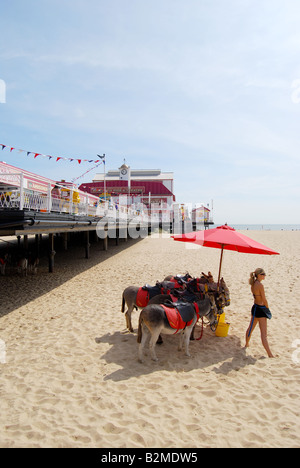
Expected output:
(135, 297)
(22, 266)
(225, 291)
(184, 297)
(221, 292)
(179, 280)
(203, 284)
(153, 320)
(33, 263)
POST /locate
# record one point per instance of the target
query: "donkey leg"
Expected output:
(180, 340)
(187, 334)
(128, 318)
(153, 340)
(145, 336)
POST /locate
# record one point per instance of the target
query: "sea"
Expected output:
(266, 227)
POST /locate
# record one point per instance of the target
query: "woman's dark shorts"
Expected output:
(258, 311)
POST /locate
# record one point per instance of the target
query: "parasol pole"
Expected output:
(220, 266)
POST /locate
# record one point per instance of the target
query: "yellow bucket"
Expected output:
(222, 329)
(221, 318)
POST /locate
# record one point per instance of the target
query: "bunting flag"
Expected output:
(60, 158)
(102, 157)
(92, 169)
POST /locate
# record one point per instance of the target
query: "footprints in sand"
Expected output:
(72, 379)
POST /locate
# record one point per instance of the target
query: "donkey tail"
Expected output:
(123, 303)
(140, 333)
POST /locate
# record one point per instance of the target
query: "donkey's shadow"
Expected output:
(221, 355)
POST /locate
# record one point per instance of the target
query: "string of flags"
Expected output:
(101, 159)
(89, 170)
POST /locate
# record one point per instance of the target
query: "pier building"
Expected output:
(140, 186)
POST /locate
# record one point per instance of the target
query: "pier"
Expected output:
(32, 205)
(23, 223)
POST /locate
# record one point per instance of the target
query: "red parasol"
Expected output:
(225, 238)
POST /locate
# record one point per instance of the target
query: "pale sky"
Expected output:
(208, 89)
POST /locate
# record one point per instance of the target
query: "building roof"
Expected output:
(146, 187)
(202, 207)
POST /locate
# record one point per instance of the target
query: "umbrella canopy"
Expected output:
(225, 238)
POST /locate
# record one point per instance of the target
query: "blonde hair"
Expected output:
(254, 275)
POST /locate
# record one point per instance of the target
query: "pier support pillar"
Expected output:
(87, 244)
(51, 253)
(26, 243)
(65, 241)
(37, 245)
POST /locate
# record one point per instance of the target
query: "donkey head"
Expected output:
(224, 289)
(213, 312)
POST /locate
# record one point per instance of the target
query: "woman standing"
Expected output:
(260, 310)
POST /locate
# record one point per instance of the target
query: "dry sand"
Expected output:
(71, 377)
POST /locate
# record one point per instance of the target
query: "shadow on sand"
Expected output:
(68, 264)
(220, 355)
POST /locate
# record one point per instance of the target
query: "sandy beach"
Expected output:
(69, 372)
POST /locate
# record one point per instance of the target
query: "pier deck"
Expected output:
(24, 223)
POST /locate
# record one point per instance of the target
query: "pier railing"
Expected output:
(71, 201)
(15, 194)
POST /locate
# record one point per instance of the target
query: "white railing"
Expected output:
(36, 201)
(72, 201)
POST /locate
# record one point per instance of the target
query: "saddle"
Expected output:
(145, 293)
(142, 297)
(195, 286)
(153, 290)
(178, 281)
(180, 314)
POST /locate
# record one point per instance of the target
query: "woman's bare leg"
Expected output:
(263, 333)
